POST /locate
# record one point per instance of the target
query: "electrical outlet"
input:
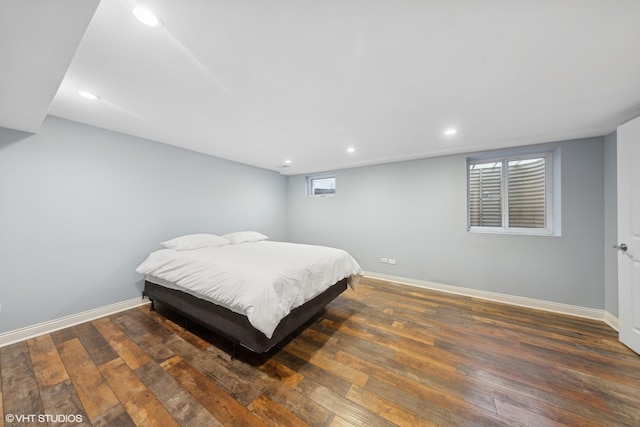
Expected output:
(392, 261)
(384, 260)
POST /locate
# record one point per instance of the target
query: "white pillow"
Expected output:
(244, 237)
(195, 241)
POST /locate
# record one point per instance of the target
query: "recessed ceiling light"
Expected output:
(89, 95)
(351, 150)
(450, 131)
(287, 162)
(146, 16)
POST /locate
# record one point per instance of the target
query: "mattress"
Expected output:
(262, 280)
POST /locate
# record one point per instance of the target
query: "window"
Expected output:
(510, 194)
(324, 185)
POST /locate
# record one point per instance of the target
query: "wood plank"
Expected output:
(591, 350)
(143, 407)
(532, 412)
(447, 380)
(619, 392)
(313, 337)
(47, 365)
(114, 416)
(344, 408)
(382, 321)
(449, 391)
(20, 393)
(530, 317)
(388, 342)
(307, 370)
(241, 386)
(298, 404)
(396, 304)
(297, 348)
(126, 349)
(62, 335)
(94, 392)
(388, 291)
(619, 371)
(523, 416)
(348, 342)
(386, 409)
(531, 392)
(340, 422)
(383, 339)
(61, 399)
(94, 343)
(429, 404)
(427, 362)
(226, 409)
(521, 368)
(148, 335)
(182, 405)
(281, 372)
(273, 414)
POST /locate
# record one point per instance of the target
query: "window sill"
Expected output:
(512, 231)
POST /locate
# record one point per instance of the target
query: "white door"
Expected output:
(629, 233)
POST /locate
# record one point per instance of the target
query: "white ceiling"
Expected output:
(259, 81)
(38, 39)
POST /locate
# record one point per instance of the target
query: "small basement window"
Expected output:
(510, 194)
(319, 186)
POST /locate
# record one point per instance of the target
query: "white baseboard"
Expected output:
(555, 307)
(65, 322)
(611, 320)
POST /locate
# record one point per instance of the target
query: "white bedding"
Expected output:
(263, 280)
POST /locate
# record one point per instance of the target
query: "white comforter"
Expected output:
(263, 280)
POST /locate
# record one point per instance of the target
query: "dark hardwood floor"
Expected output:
(383, 355)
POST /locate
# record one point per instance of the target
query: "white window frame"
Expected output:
(311, 178)
(504, 188)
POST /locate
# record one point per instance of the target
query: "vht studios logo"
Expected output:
(43, 418)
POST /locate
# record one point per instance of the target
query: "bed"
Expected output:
(250, 290)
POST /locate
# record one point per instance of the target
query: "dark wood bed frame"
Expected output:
(236, 327)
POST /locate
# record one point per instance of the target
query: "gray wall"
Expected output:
(81, 207)
(610, 224)
(415, 212)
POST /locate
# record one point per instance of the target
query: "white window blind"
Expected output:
(527, 191)
(510, 194)
(485, 194)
